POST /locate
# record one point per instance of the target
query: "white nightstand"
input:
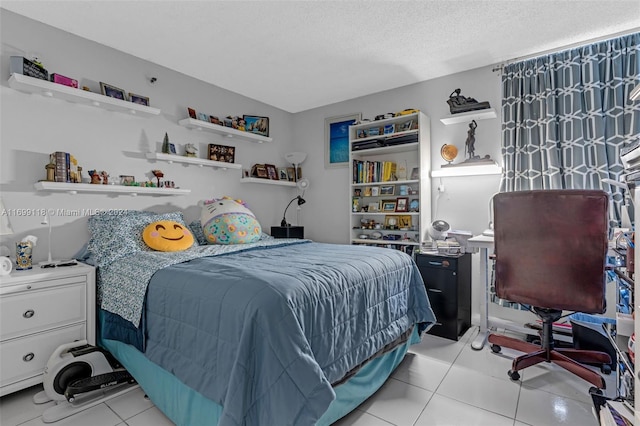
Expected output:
(40, 309)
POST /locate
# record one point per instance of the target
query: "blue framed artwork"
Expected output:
(336, 130)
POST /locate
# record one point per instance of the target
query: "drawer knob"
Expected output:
(28, 357)
(29, 313)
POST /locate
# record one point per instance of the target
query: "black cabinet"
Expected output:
(448, 283)
(287, 232)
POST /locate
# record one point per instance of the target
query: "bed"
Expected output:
(278, 332)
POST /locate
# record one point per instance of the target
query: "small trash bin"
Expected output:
(588, 335)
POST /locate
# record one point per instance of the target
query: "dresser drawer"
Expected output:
(26, 357)
(35, 310)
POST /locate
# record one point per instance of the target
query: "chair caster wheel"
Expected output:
(595, 391)
(495, 348)
(513, 375)
(606, 369)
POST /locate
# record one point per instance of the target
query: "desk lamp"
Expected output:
(301, 184)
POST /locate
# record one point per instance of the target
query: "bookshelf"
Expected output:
(390, 187)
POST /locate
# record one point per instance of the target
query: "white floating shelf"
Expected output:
(268, 181)
(465, 117)
(228, 132)
(391, 182)
(74, 188)
(468, 170)
(173, 158)
(383, 213)
(405, 147)
(385, 242)
(48, 89)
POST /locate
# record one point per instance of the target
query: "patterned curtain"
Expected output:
(567, 115)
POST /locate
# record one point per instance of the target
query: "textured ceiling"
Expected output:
(298, 55)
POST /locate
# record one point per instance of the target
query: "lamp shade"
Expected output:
(295, 157)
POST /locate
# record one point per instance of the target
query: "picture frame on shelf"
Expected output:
(256, 124)
(336, 139)
(112, 91)
(172, 148)
(272, 172)
(374, 207)
(406, 126)
(291, 174)
(282, 173)
(375, 191)
(402, 204)
(362, 133)
(222, 153)
(415, 173)
(388, 205)
(387, 189)
(138, 99)
(389, 129)
(192, 113)
(259, 171)
(404, 222)
(414, 205)
(215, 120)
(127, 180)
(203, 117)
(391, 222)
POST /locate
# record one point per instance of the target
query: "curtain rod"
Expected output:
(500, 66)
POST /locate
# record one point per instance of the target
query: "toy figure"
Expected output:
(105, 178)
(95, 177)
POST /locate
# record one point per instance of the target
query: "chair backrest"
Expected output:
(551, 248)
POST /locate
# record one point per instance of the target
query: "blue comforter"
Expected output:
(265, 332)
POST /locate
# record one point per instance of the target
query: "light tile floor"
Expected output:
(440, 382)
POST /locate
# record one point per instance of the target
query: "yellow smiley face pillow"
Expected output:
(167, 235)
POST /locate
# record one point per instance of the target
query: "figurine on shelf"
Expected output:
(105, 177)
(158, 174)
(95, 177)
(165, 144)
(190, 150)
(471, 140)
(51, 172)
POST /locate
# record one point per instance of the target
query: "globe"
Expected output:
(448, 152)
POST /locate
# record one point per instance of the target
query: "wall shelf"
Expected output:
(45, 88)
(201, 162)
(228, 132)
(268, 181)
(487, 168)
(74, 188)
(465, 117)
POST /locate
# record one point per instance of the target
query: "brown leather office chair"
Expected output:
(550, 253)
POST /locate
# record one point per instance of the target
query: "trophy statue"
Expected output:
(458, 103)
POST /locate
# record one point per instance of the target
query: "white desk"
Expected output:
(485, 244)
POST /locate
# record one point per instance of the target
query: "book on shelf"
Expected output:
(365, 171)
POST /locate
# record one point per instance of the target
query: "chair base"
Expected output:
(567, 358)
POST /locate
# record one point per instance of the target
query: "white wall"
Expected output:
(464, 204)
(33, 126)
